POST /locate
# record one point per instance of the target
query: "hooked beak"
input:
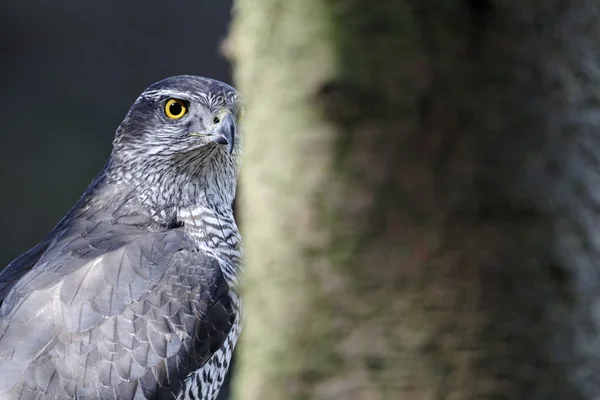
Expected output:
(225, 133)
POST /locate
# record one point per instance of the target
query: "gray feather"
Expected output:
(129, 297)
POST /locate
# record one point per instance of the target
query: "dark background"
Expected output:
(69, 70)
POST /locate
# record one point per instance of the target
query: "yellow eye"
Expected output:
(175, 108)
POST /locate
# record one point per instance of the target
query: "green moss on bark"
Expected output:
(394, 246)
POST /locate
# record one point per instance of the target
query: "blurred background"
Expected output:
(69, 70)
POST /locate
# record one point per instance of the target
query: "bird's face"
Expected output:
(181, 117)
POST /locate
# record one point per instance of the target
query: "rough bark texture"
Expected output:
(420, 199)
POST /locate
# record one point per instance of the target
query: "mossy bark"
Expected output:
(415, 200)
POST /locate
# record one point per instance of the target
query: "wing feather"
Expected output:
(125, 317)
(19, 267)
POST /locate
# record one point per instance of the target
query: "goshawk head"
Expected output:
(180, 141)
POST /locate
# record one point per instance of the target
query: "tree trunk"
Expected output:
(419, 199)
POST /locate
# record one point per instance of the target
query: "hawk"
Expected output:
(133, 294)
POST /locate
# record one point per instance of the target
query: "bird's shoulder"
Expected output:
(129, 308)
(19, 267)
(105, 249)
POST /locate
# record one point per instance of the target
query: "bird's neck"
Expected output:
(196, 205)
(164, 186)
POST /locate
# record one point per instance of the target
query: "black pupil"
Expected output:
(175, 108)
(216, 120)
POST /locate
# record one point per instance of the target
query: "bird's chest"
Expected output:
(205, 383)
(217, 235)
(210, 229)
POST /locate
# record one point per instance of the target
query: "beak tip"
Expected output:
(225, 134)
(230, 131)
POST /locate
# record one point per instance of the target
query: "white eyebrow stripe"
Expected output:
(165, 92)
(209, 99)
